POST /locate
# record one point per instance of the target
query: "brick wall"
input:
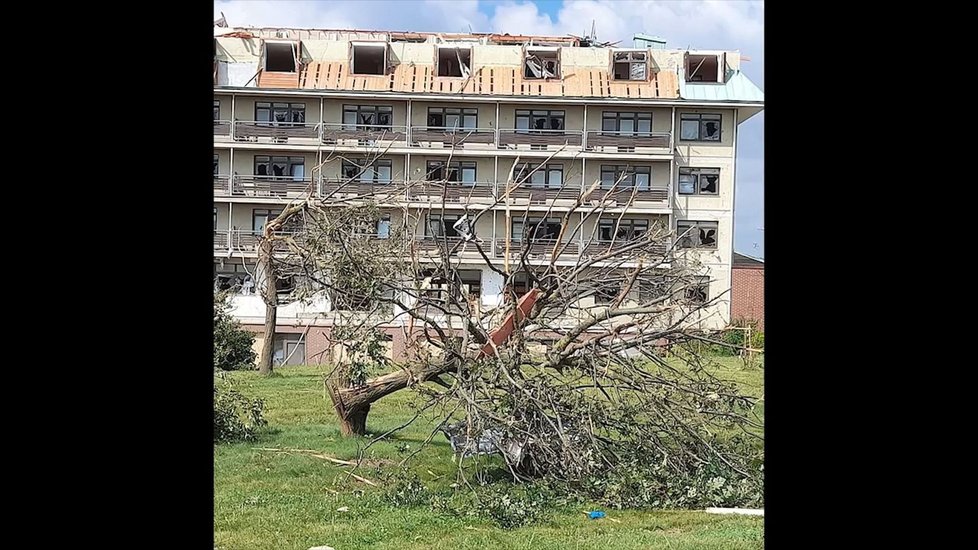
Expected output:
(747, 300)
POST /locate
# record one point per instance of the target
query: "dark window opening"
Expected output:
(631, 65)
(702, 68)
(365, 171)
(215, 219)
(290, 349)
(281, 167)
(541, 64)
(695, 127)
(693, 234)
(280, 58)
(454, 61)
(261, 216)
(455, 172)
(626, 176)
(539, 121)
(544, 175)
(626, 123)
(699, 291)
(699, 181)
(217, 110)
(367, 116)
(607, 293)
(234, 276)
(624, 230)
(467, 119)
(442, 226)
(536, 229)
(215, 164)
(370, 59)
(280, 114)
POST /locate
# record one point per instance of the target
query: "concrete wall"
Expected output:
(225, 100)
(223, 161)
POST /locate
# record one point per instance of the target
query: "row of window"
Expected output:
(693, 127)
(692, 234)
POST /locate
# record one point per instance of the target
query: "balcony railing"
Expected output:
(338, 134)
(538, 248)
(509, 138)
(246, 240)
(597, 248)
(451, 245)
(438, 136)
(283, 187)
(626, 141)
(222, 186)
(274, 132)
(221, 240)
(222, 128)
(622, 194)
(537, 194)
(346, 187)
(434, 191)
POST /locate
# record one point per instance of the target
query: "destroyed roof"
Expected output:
(327, 34)
(737, 88)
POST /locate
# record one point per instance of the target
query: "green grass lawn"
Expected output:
(276, 500)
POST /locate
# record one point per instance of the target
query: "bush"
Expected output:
(232, 344)
(236, 418)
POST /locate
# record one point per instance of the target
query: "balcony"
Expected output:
(221, 240)
(276, 132)
(540, 139)
(222, 186)
(621, 195)
(222, 128)
(279, 187)
(628, 142)
(538, 249)
(362, 134)
(443, 137)
(384, 192)
(541, 195)
(449, 191)
(599, 248)
(452, 246)
(246, 241)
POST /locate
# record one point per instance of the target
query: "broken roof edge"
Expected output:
(504, 37)
(739, 87)
(746, 260)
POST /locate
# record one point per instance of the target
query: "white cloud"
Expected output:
(706, 24)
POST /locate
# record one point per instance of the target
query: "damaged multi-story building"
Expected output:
(661, 122)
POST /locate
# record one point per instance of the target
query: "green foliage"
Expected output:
(365, 352)
(232, 344)
(236, 418)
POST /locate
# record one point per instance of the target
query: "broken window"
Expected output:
(261, 216)
(281, 57)
(454, 61)
(626, 176)
(215, 164)
(699, 291)
(699, 127)
(280, 167)
(466, 119)
(217, 110)
(234, 276)
(370, 58)
(536, 229)
(626, 123)
(545, 175)
(280, 114)
(699, 181)
(606, 293)
(379, 171)
(541, 63)
(442, 226)
(691, 234)
(539, 121)
(702, 68)
(384, 226)
(367, 116)
(631, 65)
(458, 172)
(623, 230)
(471, 282)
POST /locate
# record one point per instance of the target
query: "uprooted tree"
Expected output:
(586, 363)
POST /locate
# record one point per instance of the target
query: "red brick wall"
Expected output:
(747, 300)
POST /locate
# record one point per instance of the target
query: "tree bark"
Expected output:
(270, 295)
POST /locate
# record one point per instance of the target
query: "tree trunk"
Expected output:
(270, 295)
(355, 422)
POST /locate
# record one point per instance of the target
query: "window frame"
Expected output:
(292, 111)
(375, 45)
(696, 173)
(632, 227)
(461, 112)
(551, 114)
(525, 168)
(700, 124)
(217, 110)
(694, 239)
(361, 169)
(536, 223)
(268, 213)
(528, 51)
(628, 182)
(452, 47)
(361, 110)
(290, 163)
(445, 227)
(629, 61)
(459, 168)
(618, 116)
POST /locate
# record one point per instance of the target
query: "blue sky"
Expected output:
(703, 24)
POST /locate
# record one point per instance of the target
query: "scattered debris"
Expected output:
(343, 509)
(363, 479)
(322, 548)
(597, 514)
(740, 511)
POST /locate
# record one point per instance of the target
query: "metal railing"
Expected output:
(599, 247)
(274, 132)
(512, 137)
(443, 136)
(537, 248)
(537, 194)
(222, 128)
(339, 132)
(451, 191)
(222, 185)
(283, 187)
(624, 193)
(221, 241)
(347, 187)
(601, 139)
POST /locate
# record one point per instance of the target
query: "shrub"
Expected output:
(236, 418)
(232, 344)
